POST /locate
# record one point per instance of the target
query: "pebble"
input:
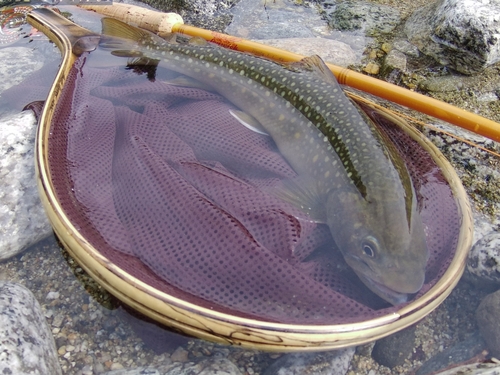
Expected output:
(460, 34)
(179, 355)
(26, 345)
(488, 316)
(372, 68)
(22, 219)
(483, 264)
(335, 362)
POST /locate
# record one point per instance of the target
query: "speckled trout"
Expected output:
(349, 175)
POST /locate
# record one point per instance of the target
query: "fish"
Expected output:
(349, 176)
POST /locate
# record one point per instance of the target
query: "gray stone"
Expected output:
(395, 60)
(26, 343)
(461, 34)
(484, 261)
(22, 219)
(406, 47)
(335, 362)
(329, 50)
(453, 356)
(442, 84)
(391, 351)
(488, 316)
(372, 19)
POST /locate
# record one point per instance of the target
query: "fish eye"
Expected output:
(369, 248)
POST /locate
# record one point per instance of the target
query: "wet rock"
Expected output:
(335, 362)
(392, 350)
(22, 218)
(406, 47)
(329, 50)
(371, 19)
(488, 316)
(26, 343)
(483, 264)
(394, 61)
(459, 353)
(463, 35)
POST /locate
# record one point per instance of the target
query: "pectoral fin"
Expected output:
(303, 193)
(317, 66)
(248, 121)
(185, 81)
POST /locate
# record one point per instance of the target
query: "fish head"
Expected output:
(381, 242)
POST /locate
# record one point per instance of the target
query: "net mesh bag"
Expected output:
(170, 187)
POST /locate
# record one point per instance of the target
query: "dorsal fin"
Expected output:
(318, 66)
(197, 41)
(114, 27)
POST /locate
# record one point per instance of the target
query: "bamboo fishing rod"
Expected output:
(167, 23)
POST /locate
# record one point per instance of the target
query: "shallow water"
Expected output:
(92, 334)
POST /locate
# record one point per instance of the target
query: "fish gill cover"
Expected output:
(165, 174)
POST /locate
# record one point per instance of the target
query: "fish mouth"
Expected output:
(388, 294)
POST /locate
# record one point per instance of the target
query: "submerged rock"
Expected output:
(273, 19)
(335, 362)
(488, 316)
(453, 356)
(22, 219)
(328, 49)
(391, 351)
(463, 35)
(26, 343)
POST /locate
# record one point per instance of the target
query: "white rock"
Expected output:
(22, 218)
(484, 259)
(462, 34)
(26, 343)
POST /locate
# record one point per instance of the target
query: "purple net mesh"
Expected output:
(167, 185)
